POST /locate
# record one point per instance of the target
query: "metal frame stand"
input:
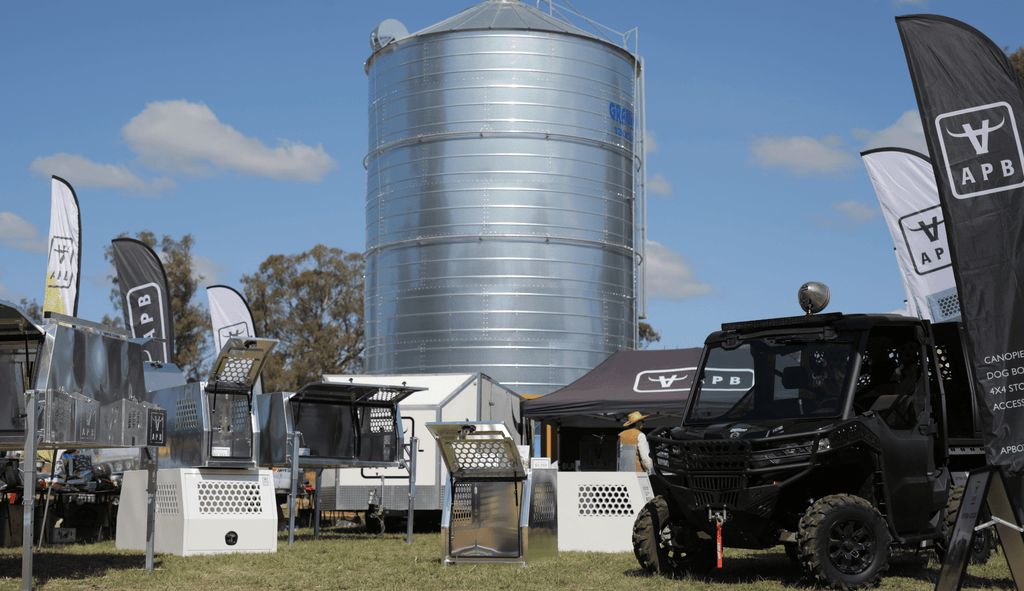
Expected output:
(293, 497)
(411, 449)
(32, 439)
(985, 485)
(316, 505)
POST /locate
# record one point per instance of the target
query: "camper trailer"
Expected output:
(446, 398)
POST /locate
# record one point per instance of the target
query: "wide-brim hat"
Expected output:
(633, 418)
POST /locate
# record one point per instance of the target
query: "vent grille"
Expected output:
(186, 414)
(712, 498)
(944, 305)
(462, 503)
(381, 420)
(240, 415)
(600, 500)
(226, 497)
(134, 419)
(384, 396)
(716, 483)
(697, 456)
(544, 502)
(482, 455)
(237, 369)
(167, 498)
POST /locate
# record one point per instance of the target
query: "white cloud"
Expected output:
(660, 186)
(846, 216)
(82, 172)
(802, 155)
(857, 212)
(187, 138)
(670, 275)
(209, 269)
(650, 142)
(905, 133)
(19, 234)
(202, 266)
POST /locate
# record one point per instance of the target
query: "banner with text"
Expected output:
(230, 317)
(145, 297)
(64, 258)
(971, 101)
(905, 183)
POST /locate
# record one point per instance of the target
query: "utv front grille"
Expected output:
(720, 455)
(715, 490)
(716, 483)
(722, 498)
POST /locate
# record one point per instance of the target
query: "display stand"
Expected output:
(32, 438)
(986, 485)
(494, 511)
(334, 425)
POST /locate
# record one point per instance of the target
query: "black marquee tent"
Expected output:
(652, 382)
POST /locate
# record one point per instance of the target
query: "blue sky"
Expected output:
(244, 124)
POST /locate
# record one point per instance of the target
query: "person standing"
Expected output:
(634, 435)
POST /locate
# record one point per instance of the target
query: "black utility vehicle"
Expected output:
(837, 435)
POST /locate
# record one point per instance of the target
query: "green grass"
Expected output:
(342, 559)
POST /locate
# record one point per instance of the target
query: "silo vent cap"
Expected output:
(387, 32)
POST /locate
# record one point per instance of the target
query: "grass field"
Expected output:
(343, 559)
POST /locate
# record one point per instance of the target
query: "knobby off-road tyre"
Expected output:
(653, 545)
(983, 541)
(843, 543)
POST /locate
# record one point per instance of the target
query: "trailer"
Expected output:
(445, 398)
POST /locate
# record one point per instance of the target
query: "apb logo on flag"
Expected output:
(925, 237)
(62, 262)
(238, 329)
(145, 309)
(981, 150)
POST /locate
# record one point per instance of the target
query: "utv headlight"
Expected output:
(824, 444)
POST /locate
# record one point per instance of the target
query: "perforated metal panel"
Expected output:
(229, 497)
(241, 360)
(382, 420)
(167, 498)
(462, 504)
(944, 306)
(236, 369)
(186, 414)
(604, 500)
(478, 451)
(544, 503)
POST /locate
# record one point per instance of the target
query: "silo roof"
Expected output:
(503, 14)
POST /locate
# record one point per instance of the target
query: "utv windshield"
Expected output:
(772, 379)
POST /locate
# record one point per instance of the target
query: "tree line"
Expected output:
(312, 303)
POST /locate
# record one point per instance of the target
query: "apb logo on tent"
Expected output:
(981, 150)
(926, 241)
(664, 380)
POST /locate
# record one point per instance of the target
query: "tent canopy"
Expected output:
(628, 381)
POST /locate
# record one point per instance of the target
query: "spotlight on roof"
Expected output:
(813, 297)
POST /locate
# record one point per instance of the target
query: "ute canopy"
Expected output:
(651, 382)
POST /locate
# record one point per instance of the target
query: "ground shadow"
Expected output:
(776, 566)
(46, 566)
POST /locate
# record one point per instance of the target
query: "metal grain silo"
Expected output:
(502, 206)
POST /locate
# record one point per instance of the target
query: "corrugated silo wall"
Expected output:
(499, 208)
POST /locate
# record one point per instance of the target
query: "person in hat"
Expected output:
(633, 435)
